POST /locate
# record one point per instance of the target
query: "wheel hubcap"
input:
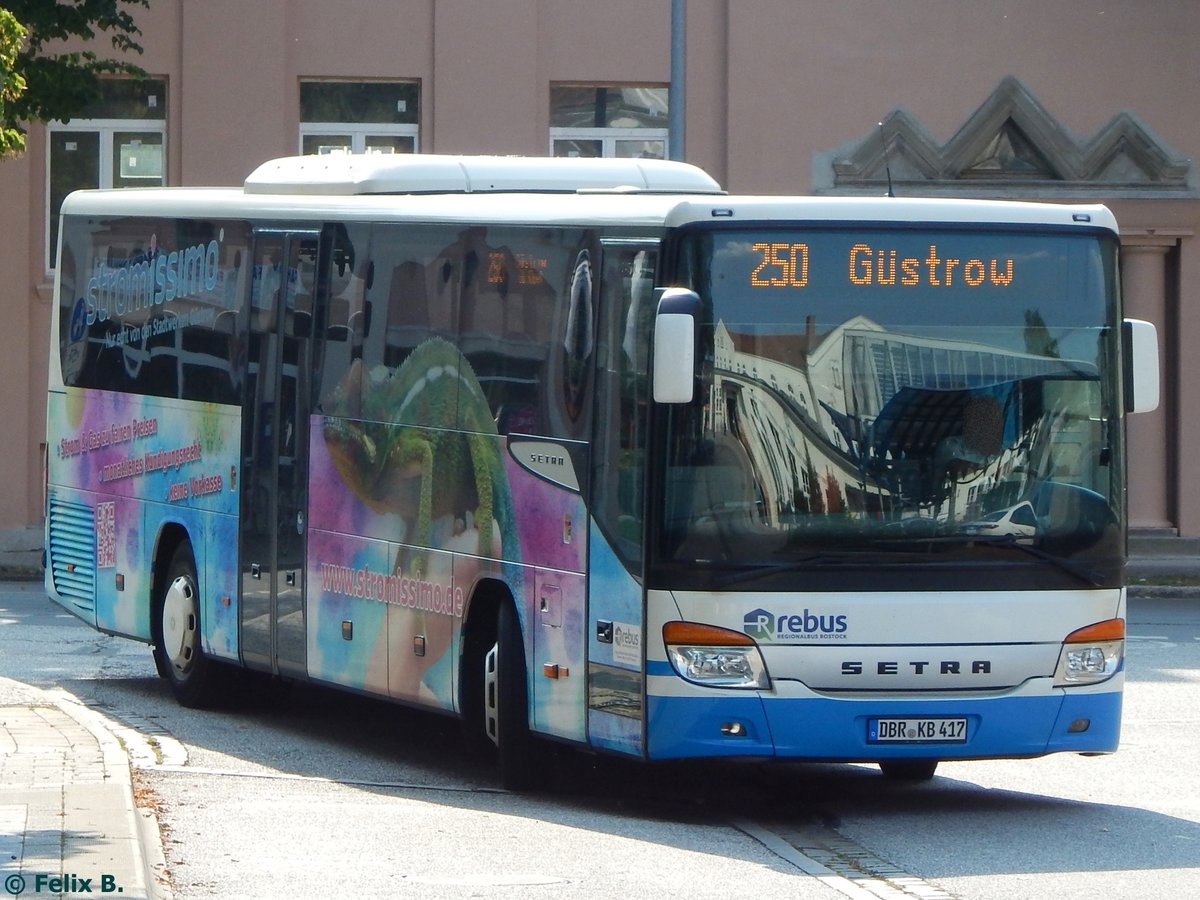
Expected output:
(179, 624)
(491, 712)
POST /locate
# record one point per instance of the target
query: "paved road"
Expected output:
(310, 792)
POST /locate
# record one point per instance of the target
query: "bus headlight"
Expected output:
(1091, 654)
(715, 657)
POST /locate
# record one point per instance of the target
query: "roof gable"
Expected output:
(1010, 145)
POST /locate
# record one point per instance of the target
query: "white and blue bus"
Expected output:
(590, 451)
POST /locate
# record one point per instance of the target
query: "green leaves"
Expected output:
(41, 81)
(12, 83)
(64, 21)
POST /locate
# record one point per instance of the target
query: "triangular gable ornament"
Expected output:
(1010, 146)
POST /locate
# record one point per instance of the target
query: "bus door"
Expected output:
(616, 611)
(275, 449)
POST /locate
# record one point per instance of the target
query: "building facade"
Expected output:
(1025, 99)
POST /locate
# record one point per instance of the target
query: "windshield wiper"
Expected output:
(910, 558)
(1089, 576)
(751, 573)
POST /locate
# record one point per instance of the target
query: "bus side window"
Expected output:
(504, 322)
(411, 292)
(407, 311)
(339, 375)
(626, 314)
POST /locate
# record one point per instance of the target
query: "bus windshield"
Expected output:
(944, 394)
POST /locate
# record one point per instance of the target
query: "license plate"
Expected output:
(917, 731)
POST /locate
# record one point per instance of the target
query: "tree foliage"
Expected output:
(12, 84)
(59, 79)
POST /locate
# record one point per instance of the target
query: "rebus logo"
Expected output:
(764, 625)
(624, 636)
(759, 624)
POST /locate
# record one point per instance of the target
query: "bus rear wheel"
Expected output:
(178, 652)
(506, 699)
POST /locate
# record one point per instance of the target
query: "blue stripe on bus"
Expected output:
(659, 667)
(829, 729)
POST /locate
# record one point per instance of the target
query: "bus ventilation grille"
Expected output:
(72, 547)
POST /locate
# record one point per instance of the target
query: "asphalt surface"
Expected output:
(67, 801)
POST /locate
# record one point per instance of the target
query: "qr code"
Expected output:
(106, 535)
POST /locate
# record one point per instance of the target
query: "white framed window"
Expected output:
(332, 137)
(359, 117)
(609, 120)
(119, 140)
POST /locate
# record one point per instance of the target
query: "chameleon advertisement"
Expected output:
(405, 519)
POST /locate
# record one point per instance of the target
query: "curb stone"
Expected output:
(143, 823)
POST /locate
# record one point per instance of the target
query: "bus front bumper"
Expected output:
(1023, 723)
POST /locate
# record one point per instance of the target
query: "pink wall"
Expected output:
(810, 76)
(17, 444)
(772, 84)
(237, 99)
(484, 85)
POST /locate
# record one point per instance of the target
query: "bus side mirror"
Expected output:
(675, 355)
(1140, 346)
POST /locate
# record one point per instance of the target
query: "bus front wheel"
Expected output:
(178, 651)
(506, 689)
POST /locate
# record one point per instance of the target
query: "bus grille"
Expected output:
(72, 550)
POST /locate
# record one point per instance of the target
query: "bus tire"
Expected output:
(518, 749)
(908, 770)
(477, 682)
(195, 679)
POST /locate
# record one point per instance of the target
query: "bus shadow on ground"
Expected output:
(312, 732)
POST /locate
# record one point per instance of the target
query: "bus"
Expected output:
(590, 451)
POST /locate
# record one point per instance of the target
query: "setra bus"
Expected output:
(590, 451)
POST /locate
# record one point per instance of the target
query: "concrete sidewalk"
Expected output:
(68, 821)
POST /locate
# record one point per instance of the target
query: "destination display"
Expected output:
(786, 264)
(779, 280)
